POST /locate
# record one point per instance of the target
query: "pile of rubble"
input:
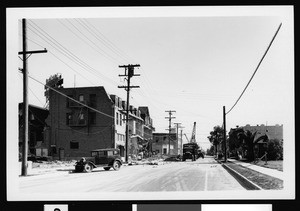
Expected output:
(53, 164)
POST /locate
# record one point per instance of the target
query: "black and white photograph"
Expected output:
(150, 103)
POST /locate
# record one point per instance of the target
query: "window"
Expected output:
(93, 100)
(81, 116)
(74, 145)
(95, 154)
(81, 120)
(31, 117)
(121, 119)
(68, 118)
(81, 98)
(165, 151)
(92, 118)
(117, 118)
(110, 153)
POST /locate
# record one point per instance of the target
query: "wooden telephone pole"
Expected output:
(170, 118)
(129, 72)
(224, 135)
(25, 97)
(177, 136)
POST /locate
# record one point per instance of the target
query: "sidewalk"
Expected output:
(271, 172)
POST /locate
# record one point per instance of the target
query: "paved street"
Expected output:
(201, 175)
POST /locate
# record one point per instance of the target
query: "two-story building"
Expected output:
(162, 142)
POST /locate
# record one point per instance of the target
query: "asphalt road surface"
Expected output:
(201, 175)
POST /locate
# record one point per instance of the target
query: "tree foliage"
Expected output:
(216, 136)
(275, 149)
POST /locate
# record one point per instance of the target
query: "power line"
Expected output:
(94, 34)
(67, 53)
(71, 98)
(94, 44)
(256, 69)
(78, 101)
(106, 40)
(39, 44)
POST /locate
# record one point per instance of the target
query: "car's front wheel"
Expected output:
(116, 165)
(87, 168)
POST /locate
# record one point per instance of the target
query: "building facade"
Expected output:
(74, 129)
(162, 142)
(36, 137)
(272, 131)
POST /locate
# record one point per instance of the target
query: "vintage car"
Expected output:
(106, 158)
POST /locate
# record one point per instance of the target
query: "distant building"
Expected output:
(273, 132)
(161, 142)
(263, 133)
(36, 118)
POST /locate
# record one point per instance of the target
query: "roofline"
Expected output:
(35, 106)
(82, 87)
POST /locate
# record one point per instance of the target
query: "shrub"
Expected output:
(275, 149)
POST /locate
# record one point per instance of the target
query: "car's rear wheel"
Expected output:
(87, 168)
(116, 165)
(106, 168)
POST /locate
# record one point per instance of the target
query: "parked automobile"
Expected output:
(107, 158)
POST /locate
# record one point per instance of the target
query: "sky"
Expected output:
(192, 60)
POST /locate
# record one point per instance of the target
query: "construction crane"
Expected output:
(193, 138)
(187, 138)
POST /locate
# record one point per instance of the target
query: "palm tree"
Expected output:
(216, 137)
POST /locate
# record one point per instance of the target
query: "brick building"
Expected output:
(74, 130)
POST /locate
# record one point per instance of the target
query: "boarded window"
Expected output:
(74, 145)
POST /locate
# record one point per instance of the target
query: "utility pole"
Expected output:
(129, 72)
(224, 135)
(170, 118)
(25, 96)
(181, 152)
(177, 126)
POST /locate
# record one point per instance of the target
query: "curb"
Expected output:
(246, 183)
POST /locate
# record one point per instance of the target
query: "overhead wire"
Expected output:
(63, 50)
(94, 34)
(106, 40)
(94, 46)
(110, 116)
(255, 70)
(51, 53)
